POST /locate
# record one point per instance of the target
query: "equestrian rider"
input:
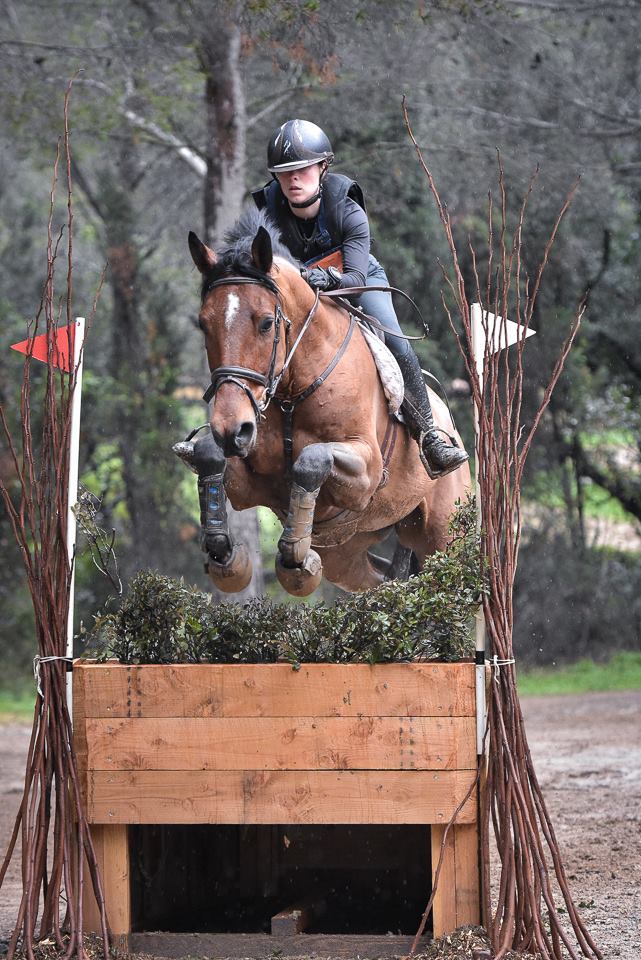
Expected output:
(318, 212)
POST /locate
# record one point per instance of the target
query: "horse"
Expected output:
(299, 423)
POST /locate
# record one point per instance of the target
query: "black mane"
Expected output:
(235, 258)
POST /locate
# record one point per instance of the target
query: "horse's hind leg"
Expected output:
(298, 567)
(228, 563)
(351, 566)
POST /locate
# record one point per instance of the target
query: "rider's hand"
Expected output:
(322, 279)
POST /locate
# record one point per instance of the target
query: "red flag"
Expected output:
(63, 341)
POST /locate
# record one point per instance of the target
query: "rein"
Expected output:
(340, 296)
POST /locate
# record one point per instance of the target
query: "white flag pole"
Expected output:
(490, 333)
(478, 356)
(74, 455)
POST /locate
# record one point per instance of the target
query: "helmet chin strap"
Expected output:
(307, 203)
(311, 200)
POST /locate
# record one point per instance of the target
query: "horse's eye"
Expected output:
(265, 324)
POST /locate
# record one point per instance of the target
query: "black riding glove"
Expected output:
(322, 279)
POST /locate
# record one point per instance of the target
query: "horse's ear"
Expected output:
(203, 257)
(262, 250)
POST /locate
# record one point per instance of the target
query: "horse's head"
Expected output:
(244, 327)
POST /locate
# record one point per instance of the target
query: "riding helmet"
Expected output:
(297, 144)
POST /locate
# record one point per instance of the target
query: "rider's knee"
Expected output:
(397, 345)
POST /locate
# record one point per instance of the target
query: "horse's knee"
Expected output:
(203, 456)
(313, 466)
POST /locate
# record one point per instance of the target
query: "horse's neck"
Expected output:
(320, 341)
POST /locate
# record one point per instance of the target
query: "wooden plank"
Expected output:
(342, 690)
(116, 878)
(457, 900)
(276, 690)
(112, 853)
(298, 743)
(468, 899)
(261, 945)
(256, 796)
(152, 690)
(444, 906)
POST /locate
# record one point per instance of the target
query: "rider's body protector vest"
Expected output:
(328, 233)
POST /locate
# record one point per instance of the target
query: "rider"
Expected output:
(318, 213)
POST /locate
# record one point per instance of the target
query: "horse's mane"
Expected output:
(235, 257)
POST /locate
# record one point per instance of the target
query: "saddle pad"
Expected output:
(388, 370)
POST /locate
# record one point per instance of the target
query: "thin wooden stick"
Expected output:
(523, 914)
(51, 801)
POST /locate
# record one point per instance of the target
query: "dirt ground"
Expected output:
(587, 751)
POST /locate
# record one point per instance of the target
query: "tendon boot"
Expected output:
(438, 457)
(205, 459)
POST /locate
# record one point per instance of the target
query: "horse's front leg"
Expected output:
(346, 469)
(228, 562)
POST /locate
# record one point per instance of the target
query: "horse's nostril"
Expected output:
(245, 433)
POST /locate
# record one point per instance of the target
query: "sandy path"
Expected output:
(587, 751)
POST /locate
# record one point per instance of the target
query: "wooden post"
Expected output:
(112, 853)
(457, 899)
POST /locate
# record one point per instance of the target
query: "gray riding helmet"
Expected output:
(297, 144)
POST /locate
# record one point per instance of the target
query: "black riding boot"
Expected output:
(437, 456)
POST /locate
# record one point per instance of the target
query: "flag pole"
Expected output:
(478, 352)
(490, 333)
(74, 456)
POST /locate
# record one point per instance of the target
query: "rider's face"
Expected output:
(300, 185)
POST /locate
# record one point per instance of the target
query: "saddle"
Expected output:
(389, 372)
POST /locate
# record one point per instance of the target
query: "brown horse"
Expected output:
(300, 424)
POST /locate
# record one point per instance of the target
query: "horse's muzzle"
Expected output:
(238, 441)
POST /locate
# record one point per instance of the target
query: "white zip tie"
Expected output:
(497, 664)
(37, 660)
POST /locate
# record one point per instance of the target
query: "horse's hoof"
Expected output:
(236, 574)
(302, 580)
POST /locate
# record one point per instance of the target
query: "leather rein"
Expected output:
(271, 380)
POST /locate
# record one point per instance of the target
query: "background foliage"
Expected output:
(171, 113)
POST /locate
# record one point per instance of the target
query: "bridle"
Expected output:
(236, 375)
(271, 380)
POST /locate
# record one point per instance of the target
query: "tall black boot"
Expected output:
(437, 457)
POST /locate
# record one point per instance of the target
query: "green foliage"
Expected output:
(621, 672)
(17, 704)
(546, 491)
(164, 621)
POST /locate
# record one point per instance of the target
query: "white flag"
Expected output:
(500, 333)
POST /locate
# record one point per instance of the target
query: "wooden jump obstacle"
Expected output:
(266, 744)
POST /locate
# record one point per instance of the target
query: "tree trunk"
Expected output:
(224, 189)
(220, 56)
